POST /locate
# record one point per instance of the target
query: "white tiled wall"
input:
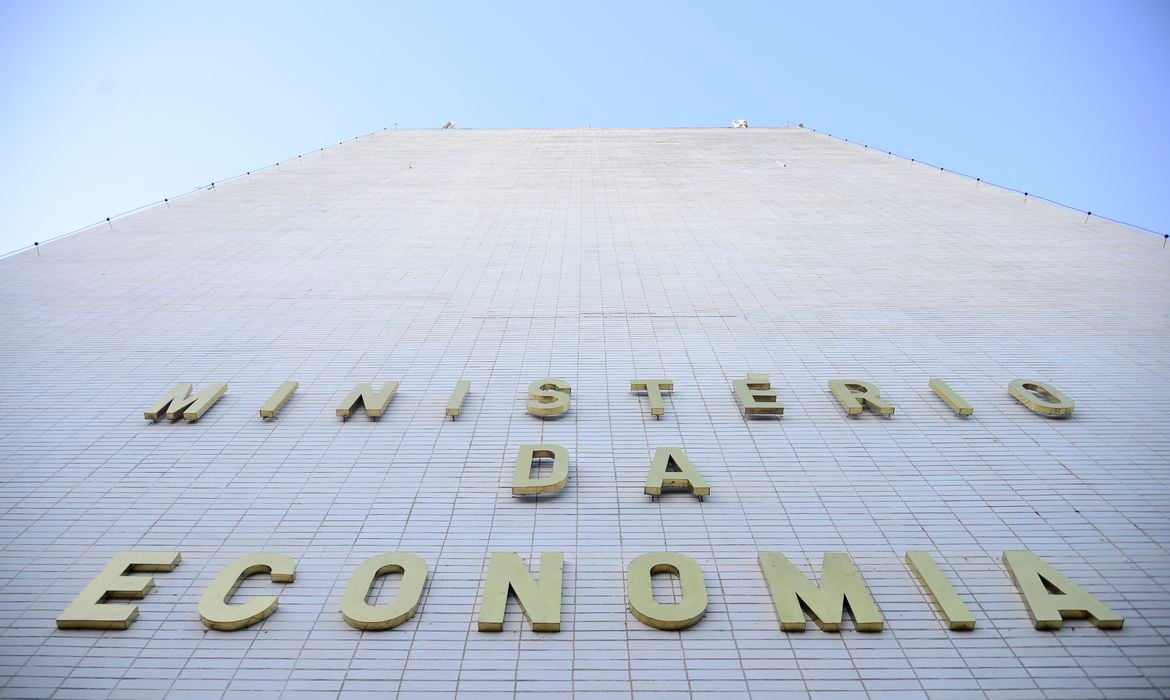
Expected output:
(597, 256)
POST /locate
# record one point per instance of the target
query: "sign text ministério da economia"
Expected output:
(1048, 595)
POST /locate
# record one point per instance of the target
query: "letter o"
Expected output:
(359, 614)
(674, 616)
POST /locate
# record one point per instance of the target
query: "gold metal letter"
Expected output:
(88, 611)
(523, 484)
(541, 603)
(363, 616)
(952, 399)
(548, 397)
(1050, 597)
(756, 395)
(373, 402)
(1041, 398)
(672, 469)
(273, 405)
(842, 584)
(653, 389)
(179, 403)
(218, 614)
(676, 616)
(455, 403)
(957, 615)
(853, 395)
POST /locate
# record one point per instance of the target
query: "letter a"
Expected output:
(1051, 597)
(671, 469)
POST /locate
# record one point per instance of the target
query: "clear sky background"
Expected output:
(108, 106)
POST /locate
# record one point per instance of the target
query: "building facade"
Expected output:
(596, 257)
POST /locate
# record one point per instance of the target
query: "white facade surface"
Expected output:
(596, 256)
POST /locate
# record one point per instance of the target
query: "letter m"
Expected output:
(181, 403)
(841, 584)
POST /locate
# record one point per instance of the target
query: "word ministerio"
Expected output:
(1048, 595)
(551, 397)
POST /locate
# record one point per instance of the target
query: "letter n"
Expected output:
(541, 602)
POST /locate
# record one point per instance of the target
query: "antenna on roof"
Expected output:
(448, 125)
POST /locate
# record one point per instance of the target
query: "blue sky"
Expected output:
(107, 106)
